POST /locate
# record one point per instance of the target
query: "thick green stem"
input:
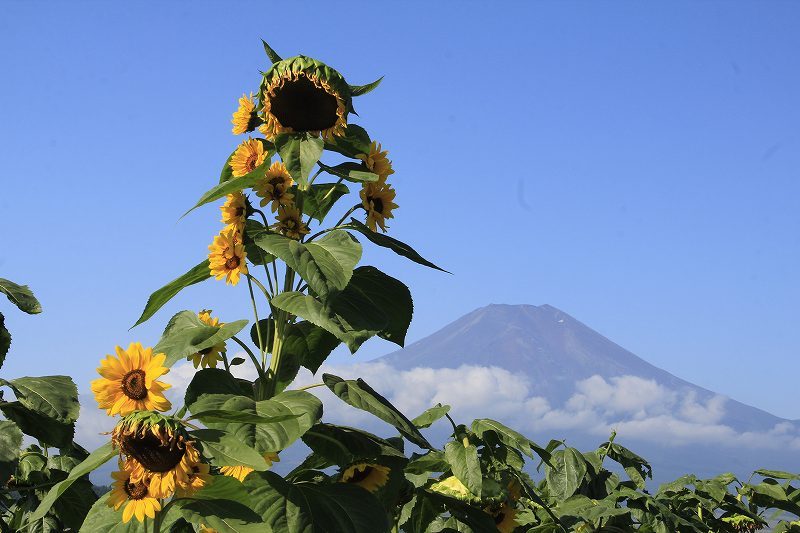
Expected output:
(261, 346)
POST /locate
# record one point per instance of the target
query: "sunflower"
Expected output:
(368, 476)
(198, 478)
(377, 197)
(234, 210)
(240, 472)
(128, 381)
(504, 518)
(290, 222)
(208, 357)
(227, 256)
(377, 162)
(302, 94)
(245, 118)
(158, 451)
(140, 502)
(247, 157)
(274, 186)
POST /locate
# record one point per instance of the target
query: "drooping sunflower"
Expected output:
(274, 187)
(240, 472)
(377, 197)
(290, 222)
(377, 162)
(158, 450)
(234, 210)
(209, 357)
(136, 496)
(302, 94)
(369, 476)
(128, 381)
(227, 256)
(245, 117)
(247, 157)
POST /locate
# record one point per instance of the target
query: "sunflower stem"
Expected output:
(312, 386)
(251, 354)
(335, 226)
(258, 326)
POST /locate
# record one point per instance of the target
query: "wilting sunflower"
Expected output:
(290, 222)
(302, 94)
(198, 478)
(234, 210)
(240, 472)
(377, 162)
(128, 381)
(245, 118)
(377, 197)
(503, 517)
(274, 187)
(158, 450)
(209, 357)
(134, 494)
(247, 157)
(368, 476)
(227, 256)
(743, 523)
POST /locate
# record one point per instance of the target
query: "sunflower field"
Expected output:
(206, 464)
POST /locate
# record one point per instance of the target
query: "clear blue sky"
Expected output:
(634, 164)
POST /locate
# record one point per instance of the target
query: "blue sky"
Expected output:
(633, 164)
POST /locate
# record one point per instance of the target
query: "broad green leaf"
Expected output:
(224, 416)
(771, 490)
(509, 437)
(308, 507)
(255, 255)
(214, 382)
(354, 142)
(276, 437)
(227, 450)
(777, 474)
(355, 172)
(637, 468)
(310, 344)
(5, 340)
(358, 90)
(299, 153)
(464, 462)
(431, 462)
(431, 415)
(385, 241)
(10, 442)
(423, 512)
(186, 334)
(55, 397)
(157, 300)
(47, 430)
(472, 516)
(103, 518)
(267, 328)
(342, 445)
(96, 459)
(361, 396)
(223, 505)
(73, 506)
(566, 473)
(21, 296)
(320, 198)
(271, 54)
(243, 431)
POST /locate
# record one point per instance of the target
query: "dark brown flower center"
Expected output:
(232, 263)
(360, 475)
(499, 517)
(377, 205)
(239, 211)
(151, 452)
(133, 385)
(135, 491)
(302, 106)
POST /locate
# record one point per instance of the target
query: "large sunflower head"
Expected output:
(377, 162)
(247, 157)
(235, 210)
(128, 381)
(135, 495)
(302, 94)
(208, 357)
(227, 256)
(158, 450)
(274, 187)
(377, 197)
(245, 117)
(369, 476)
(240, 471)
(290, 222)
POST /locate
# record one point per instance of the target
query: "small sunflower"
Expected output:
(227, 256)
(234, 210)
(377, 197)
(247, 157)
(274, 187)
(302, 94)
(198, 478)
(503, 517)
(128, 381)
(290, 222)
(368, 476)
(240, 472)
(377, 162)
(209, 357)
(245, 118)
(136, 496)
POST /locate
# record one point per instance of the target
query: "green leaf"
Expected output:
(299, 153)
(95, 459)
(55, 397)
(223, 505)
(224, 417)
(637, 468)
(358, 90)
(342, 445)
(236, 361)
(424, 511)
(385, 241)
(509, 437)
(271, 54)
(5, 340)
(777, 474)
(10, 442)
(354, 142)
(73, 506)
(214, 382)
(21, 296)
(320, 198)
(431, 415)
(355, 172)
(41, 427)
(463, 512)
(267, 327)
(275, 437)
(227, 450)
(186, 334)
(310, 344)
(566, 473)
(103, 518)
(361, 396)
(465, 465)
(157, 300)
(308, 507)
